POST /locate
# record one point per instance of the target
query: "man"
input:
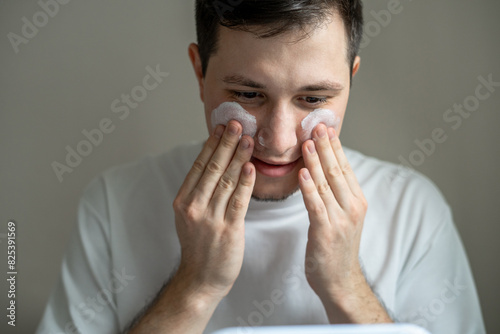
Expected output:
(290, 228)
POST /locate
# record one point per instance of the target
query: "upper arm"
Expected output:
(436, 290)
(83, 298)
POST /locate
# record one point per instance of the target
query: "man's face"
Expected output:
(279, 80)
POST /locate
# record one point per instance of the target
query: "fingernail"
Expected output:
(311, 148)
(245, 144)
(233, 129)
(219, 130)
(306, 175)
(247, 170)
(320, 132)
(331, 133)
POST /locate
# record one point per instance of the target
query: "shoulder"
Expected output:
(405, 208)
(407, 214)
(394, 183)
(145, 175)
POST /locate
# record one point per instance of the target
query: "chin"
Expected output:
(272, 198)
(274, 190)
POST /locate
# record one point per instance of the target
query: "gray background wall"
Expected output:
(415, 67)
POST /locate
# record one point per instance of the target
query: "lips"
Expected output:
(271, 169)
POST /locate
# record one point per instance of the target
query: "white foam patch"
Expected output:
(262, 142)
(325, 116)
(232, 110)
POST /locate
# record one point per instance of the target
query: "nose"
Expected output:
(277, 133)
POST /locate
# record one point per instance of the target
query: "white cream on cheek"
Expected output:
(232, 110)
(325, 116)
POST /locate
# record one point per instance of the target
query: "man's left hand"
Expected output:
(337, 209)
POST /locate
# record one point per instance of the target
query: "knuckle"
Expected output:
(226, 143)
(177, 205)
(350, 205)
(191, 213)
(226, 182)
(317, 209)
(343, 227)
(364, 203)
(246, 182)
(346, 169)
(357, 213)
(210, 144)
(211, 222)
(198, 165)
(237, 204)
(334, 171)
(323, 187)
(355, 216)
(178, 201)
(214, 167)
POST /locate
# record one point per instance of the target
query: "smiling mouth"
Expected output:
(274, 170)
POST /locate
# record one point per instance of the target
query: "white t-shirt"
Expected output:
(125, 247)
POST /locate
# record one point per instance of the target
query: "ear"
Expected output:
(194, 56)
(355, 66)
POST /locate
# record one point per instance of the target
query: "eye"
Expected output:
(314, 100)
(246, 95)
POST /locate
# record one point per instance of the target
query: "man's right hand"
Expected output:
(210, 208)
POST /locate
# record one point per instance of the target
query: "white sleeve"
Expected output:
(83, 300)
(436, 289)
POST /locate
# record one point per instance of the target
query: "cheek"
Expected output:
(233, 111)
(325, 116)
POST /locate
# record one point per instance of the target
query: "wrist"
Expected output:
(340, 288)
(343, 298)
(182, 306)
(355, 304)
(192, 294)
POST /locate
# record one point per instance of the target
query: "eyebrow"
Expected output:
(318, 86)
(242, 81)
(323, 85)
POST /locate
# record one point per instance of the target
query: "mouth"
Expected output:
(274, 169)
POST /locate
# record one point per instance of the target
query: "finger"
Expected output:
(218, 163)
(229, 180)
(313, 165)
(344, 164)
(198, 168)
(315, 206)
(330, 166)
(238, 203)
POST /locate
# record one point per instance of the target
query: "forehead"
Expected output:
(320, 50)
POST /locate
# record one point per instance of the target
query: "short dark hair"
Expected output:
(274, 17)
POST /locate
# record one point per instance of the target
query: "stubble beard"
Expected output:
(274, 198)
